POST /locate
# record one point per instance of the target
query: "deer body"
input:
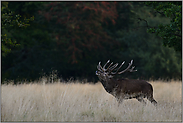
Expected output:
(124, 88)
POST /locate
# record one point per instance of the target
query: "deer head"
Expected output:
(108, 73)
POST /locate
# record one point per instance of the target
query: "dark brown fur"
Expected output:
(127, 89)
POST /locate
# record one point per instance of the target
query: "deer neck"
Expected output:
(109, 85)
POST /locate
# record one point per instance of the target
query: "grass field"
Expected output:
(86, 102)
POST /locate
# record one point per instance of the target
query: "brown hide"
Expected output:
(129, 88)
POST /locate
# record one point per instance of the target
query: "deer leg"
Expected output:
(152, 100)
(140, 99)
(120, 101)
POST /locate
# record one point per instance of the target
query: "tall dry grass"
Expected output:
(86, 102)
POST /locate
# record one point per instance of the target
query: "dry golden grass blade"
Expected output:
(86, 102)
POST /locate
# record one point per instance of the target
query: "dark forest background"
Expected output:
(68, 39)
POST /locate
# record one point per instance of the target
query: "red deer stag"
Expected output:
(124, 88)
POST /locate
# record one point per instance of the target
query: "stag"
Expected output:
(123, 89)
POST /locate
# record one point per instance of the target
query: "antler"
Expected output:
(119, 68)
(128, 68)
(111, 68)
(99, 67)
(106, 64)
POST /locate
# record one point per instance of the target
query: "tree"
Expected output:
(78, 26)
(9, 22)
(145, 49)
(32, 57)
(151, 58)
(72, 37)
(170, 33)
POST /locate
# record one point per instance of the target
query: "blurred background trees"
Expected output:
(171, 33)
(39, 38)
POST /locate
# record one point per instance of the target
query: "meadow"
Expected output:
(87, 102)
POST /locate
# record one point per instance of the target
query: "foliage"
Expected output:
(32, 57)
(9, 22)
(151, 58)
(72, 37)
(80, 26)
(170, 33)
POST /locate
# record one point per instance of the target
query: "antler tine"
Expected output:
(99, 67)
(131, 70)
(118, 68)
(109, 66)
(106, 64)
(127, 69)
(113, 67)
